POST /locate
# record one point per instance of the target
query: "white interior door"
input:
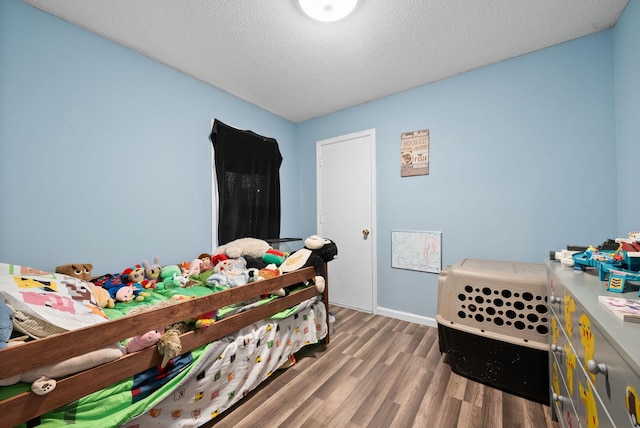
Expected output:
(346, 215)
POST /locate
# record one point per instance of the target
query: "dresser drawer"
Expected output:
(595, 354)
(561, 402)
(614, 380)
(563, 305)
(565, 356)
(591, 411)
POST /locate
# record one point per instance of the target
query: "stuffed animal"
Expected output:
(166, 340)
(217, 258)
(77, 270)
(83, 272)
(152, 272)
(169, 345)
(42, 379)
(200, 321)
(244, 247)
(230, 273)
(271, 271)
(206, 259)
(41, 384)
(102, 296)
(171, 277)
(136, 276)
(119, 291)
(274, 256)
(6, 325)
(196, 267)
(316, 252)
(143, 341)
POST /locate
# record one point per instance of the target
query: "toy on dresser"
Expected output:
(616, 260)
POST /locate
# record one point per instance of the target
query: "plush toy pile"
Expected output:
(234, 264)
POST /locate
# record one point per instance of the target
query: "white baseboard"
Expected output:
(405, 316)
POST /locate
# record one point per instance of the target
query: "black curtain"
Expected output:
(248, 174)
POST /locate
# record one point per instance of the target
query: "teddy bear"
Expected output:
(317, 252)
(77, 270)
(241, 247)
(83, 272)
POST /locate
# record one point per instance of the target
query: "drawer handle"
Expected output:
(595, 368)
(557, 398)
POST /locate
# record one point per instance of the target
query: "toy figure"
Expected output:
(152, 272)
(316, 252)
(76, 270)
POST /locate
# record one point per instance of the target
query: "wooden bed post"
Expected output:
(325, 298)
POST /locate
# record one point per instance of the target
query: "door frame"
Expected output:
(373, 227)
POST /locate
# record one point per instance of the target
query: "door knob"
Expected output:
(366, 232)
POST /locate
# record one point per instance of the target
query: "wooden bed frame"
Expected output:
(37, 353)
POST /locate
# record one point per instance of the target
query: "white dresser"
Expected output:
(594, 363)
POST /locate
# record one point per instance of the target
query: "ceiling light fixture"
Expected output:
(327, 10)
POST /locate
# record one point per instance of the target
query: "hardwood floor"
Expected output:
(379, 372)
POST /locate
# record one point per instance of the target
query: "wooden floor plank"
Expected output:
(470, 416)
(408, 400)
(379, 372)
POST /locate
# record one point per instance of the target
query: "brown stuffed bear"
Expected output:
(77, 270)
(83, 272)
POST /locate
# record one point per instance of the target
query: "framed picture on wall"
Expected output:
(414, 153)
(420, 251)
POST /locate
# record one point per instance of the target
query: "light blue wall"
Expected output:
(627, 95)
(517, 154)
(104, 154)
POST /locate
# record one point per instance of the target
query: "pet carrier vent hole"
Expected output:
(542, 329)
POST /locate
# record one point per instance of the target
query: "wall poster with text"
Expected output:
(414, 153)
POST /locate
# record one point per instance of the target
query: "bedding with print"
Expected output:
(198, 385)
(46, 303)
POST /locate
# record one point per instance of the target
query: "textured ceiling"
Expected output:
(268, 53)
